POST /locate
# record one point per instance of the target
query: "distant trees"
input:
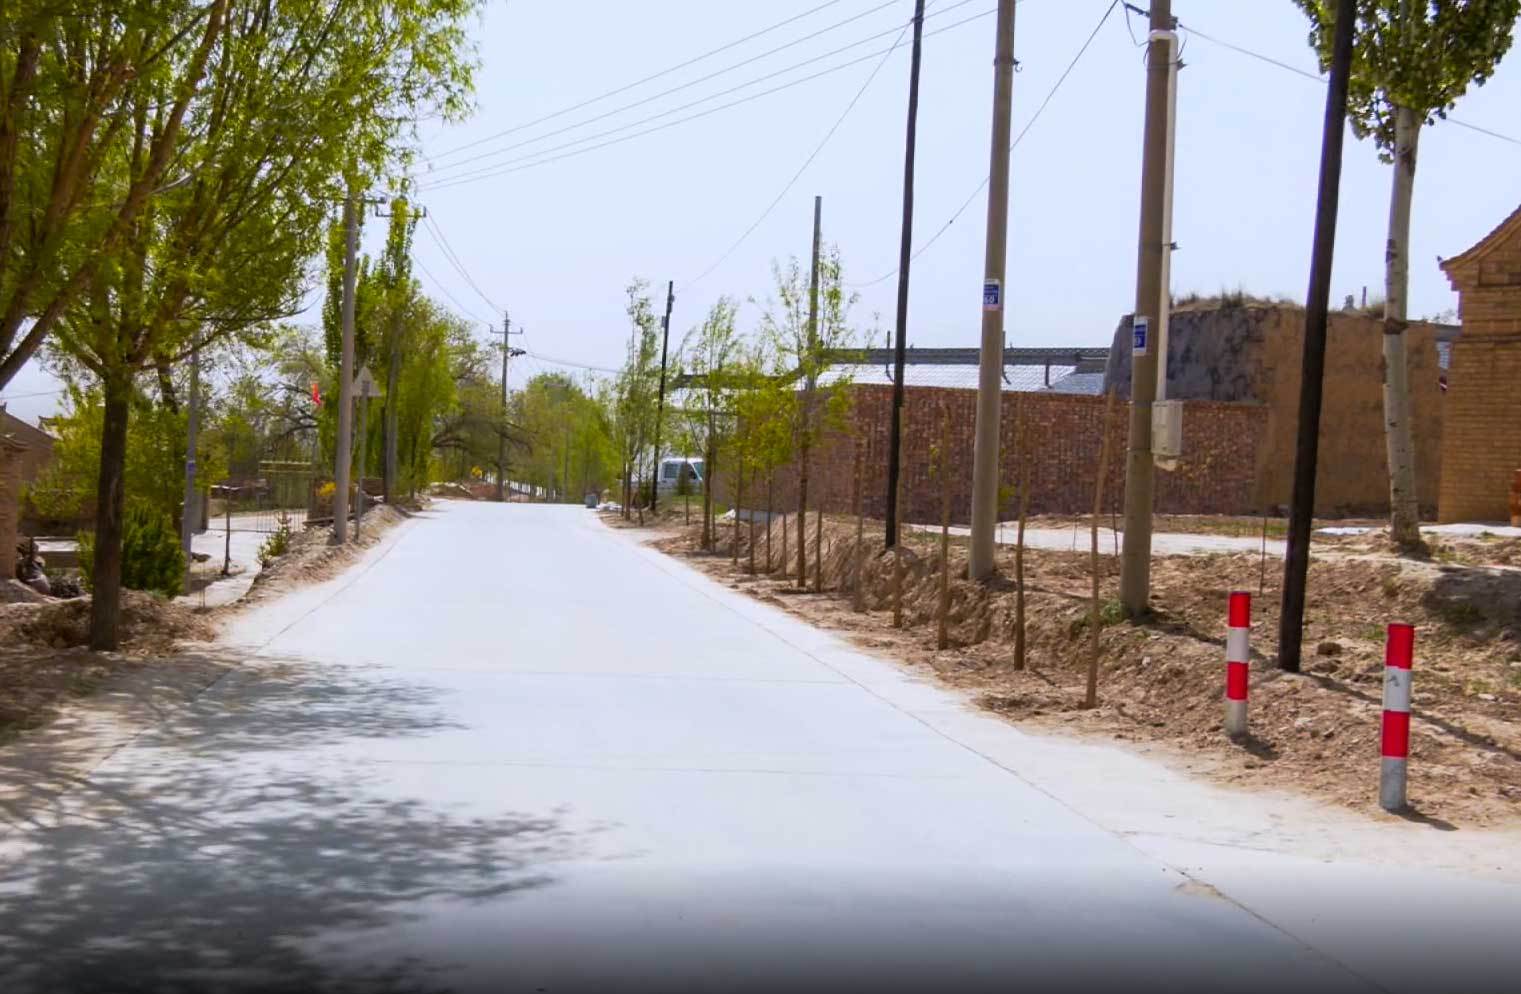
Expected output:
(1412, 61)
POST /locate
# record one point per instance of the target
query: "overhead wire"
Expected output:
(1243, 50)
(640, 82)
(532, 160)
(1050, 95)
(817, 149)
(434, 173)
(455, 300)
(436, 232)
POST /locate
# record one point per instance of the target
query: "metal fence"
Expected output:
(283, 494)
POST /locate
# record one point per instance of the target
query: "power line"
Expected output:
(436, 231)
(806, 162)
(702, 79)
(1321, 80)
(640, 82)
(439, 283)
(1017, 139)
(532, 160)
(567, 362)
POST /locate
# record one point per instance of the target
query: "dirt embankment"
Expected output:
(1162, 680)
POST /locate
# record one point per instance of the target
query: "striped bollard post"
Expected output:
(1399, 653)
(1237, 662)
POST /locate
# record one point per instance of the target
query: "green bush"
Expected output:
(151, 558)
(278, 543)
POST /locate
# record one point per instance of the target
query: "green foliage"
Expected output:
(570, 450)
(278, 543)
(1418, 54)
(151, 557)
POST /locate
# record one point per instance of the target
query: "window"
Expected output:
(670, 470)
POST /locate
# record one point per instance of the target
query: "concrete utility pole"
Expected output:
(665, 343)
(1296, 561)
(905, 258)
(1140, 471)
(501, 438)
(346, 372)
(990, 364)
(191, 515)
(810, 385)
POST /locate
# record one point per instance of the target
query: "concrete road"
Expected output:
(512, 749)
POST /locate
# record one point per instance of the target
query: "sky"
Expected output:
(554, 232)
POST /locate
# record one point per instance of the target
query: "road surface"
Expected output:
(513, 749)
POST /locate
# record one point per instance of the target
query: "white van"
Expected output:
(672, 468)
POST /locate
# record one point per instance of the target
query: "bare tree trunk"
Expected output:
(770, 486)
(1023, 476)
(818, 547)
(752, 542)
(898, 546)
(802, 517)
(858, 589)
(1090, 698)
(708, 476)
(1404, 506)
(785, 574)
(105, 581)
(942, 633)
(739, 497)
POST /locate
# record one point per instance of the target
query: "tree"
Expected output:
(399, 289)
(712, 356)
(635, 389)
(802, 353)
(1412, 61)
(78, 168)
(296, 97)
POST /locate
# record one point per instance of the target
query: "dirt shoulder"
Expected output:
(44, 662)
(1161, 682)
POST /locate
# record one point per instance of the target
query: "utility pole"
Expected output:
(1296, 563)
(665, 342)
(191, 516)
(810, 385)
(905, 257)
(346, 373)
(501, 438)
(1140, 470)
(990, 360)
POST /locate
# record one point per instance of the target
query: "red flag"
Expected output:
(316, 395)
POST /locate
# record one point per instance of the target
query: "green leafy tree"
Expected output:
(712, 356)
(297, 97)
(636, 390)
(93, 102)
(1412, 61)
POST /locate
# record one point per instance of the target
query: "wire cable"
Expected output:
(650, 78)
(1322, 80)
(806, 163)
(439, 283)
(528, 161)
(436, 232)
(434, 173)
(1051, 94)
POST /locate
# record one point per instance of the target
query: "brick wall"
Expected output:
(1216, 476)
(1482, 441)
(10, 503)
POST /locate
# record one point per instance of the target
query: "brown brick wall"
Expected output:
(1481, 445)
(1217, 474)
(10, 503)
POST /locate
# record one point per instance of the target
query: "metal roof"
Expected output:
(1015, 378)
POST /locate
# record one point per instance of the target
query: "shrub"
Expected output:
(278, 543)
(151, 557)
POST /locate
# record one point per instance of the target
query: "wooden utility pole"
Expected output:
(990, 366)
(665, 342)
(502, 492)
(1140, 471)
(346, 372)
(1296, 562)
(905, 258)
(810, 387)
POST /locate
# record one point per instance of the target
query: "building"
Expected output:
(1248, 351)
(1481, 441)
(24, 452)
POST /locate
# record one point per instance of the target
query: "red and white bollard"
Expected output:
(1399, 653)
(1237, 662)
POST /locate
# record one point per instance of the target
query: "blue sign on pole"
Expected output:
(1141, 328)
(992, 295)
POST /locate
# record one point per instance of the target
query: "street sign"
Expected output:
(1140, 327)
(992, 295)
(364, 384)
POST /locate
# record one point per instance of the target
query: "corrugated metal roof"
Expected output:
(1015, 378)
(1090, 384)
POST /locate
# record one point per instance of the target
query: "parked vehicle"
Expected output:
(672, 471)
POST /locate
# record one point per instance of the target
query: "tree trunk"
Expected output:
(752, 541)
(1404, 507)
(707, 500)
(105, 602)
(739, 496)
(770, 487)
(389, 415)
(802, 511)
(1022, 484)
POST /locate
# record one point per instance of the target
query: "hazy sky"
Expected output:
(557, 243)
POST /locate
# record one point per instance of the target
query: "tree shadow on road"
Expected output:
(181, 866)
